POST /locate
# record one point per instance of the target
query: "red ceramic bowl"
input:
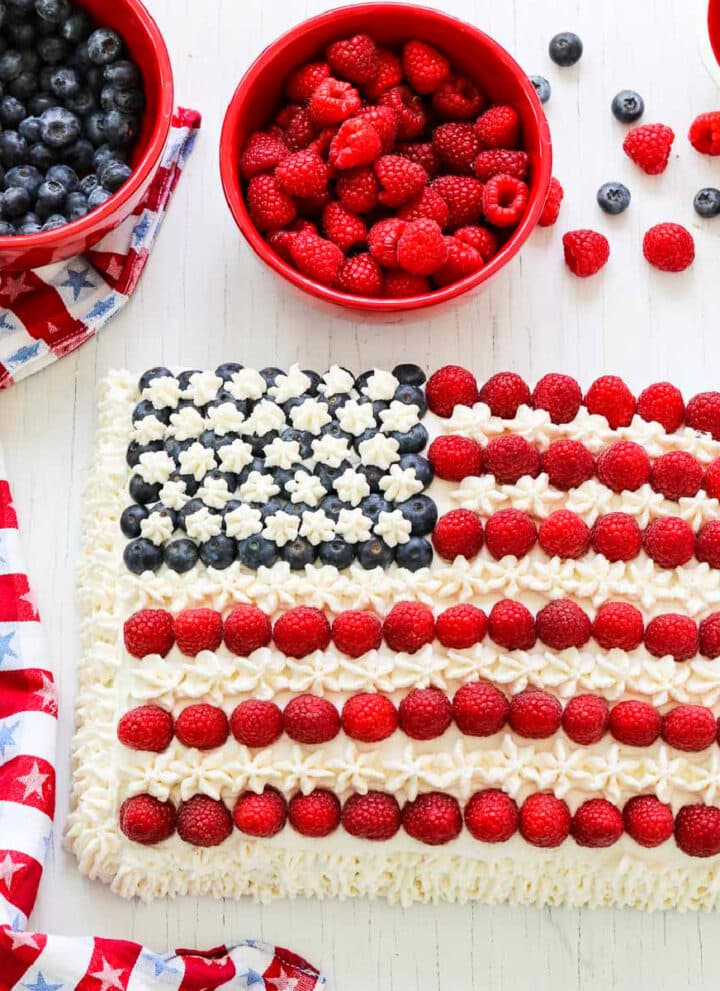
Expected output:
(472, 53)
(713, 25)
(146, 46)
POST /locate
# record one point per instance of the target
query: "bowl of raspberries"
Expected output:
(86, 99)
(385, 157)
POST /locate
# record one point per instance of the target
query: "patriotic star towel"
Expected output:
(38, 962)
(48, 312)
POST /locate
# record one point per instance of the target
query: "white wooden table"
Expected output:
(205, 299)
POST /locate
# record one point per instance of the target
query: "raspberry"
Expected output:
(704, 133)
(491, 816)
(408, 627)
(597, 823)
(369, 717)
(400, 180)
(559, 395)
(357, 190)
(260, 815)
(504, 200)
(689, 727)
(261, 154)
(635, 723)
(703, 413)
(299, 130)
(302, 174)
(709, 636)
(457, 99)
(499, 127)
(374, 816)
(429, 205)
(624, 466)
(149, 631)
(458, 533)
(585, 719)
(461, 626)
(317, 258)
(567, 463)
(148, 727)
(412, 117)
(510, 532)
(464, 197)
(649, 147)
(399, 285)
(510, 457)
(586, 252)
(564, 534)
(647, 820)
(385, 121)
(383, 241)
(608, 396)
(321, 144)
(457, 146)
(512, 625)
(421, 248)
(354, 58)
(356, 143)
(454, 457)
(618, 625)
(280, 241)
(203, 821)
(551, 210)
(342, 227)
(711, 480)
(672, 634)
(535, 714)
(480, 709)
(316, 814)
(303, 82)
(676, 475)
(697, 830)
(562, 624)
(202, 726)
(482, 240)
(247, 629)
(496, 161)
(270, 207)
(544, 820)
(617, 537)
(256, 723)
(147, 820)
(433, 818)
(361, 276)
(462, 260)
(662, 402)
(669, 247)
(333, 102)
(355, 632)
(505, 393)
(422, 152)
(669, 541)
(300, 631)
(425, 68)
(707, 544)
(198, 629)
(389, 73)
(425, 713)
(310, 719)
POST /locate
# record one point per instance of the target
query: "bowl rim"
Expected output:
(233, 190)
(75, 229)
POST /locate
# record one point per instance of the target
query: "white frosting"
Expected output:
(203, 387)
(155, 466)
(399, 417)
(352, 487)
(281, 527)
(235, 456)
(317, 527)
(157, 528)
(203, 525)
(400, 484)
(148, 429)
(331, 451)
(307, 488)
(336, 381)
(355, 418)
(214, 492)
(163, 392)
(310, 415)
(186, 423)
(353, 526)
(282, 453)
(381, 385)
(197, 461)
(290, 385)
(393, 528)
(258, 487)
(174, 494)
(225, 419)
(247, 384)
(265, 417)
(380, 451)
(243, 521)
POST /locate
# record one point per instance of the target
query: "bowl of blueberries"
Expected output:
(86, 100)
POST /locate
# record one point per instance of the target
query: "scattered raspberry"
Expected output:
(256, 723)
(586, 252)
(374, 816)
(317, 258)
(711, 480)
(497, 161)
(505, 392)
(662, 402)
(457, 99)
(354, 58)
(425, 713)
(709, 636)
(361, 276)
(356, 143)
(247, 629)
(697, 830)
(316, 814)
(429, 205)
(198, 629)
(355, 632)
(676, 475)
(462, 260)
(567, 463)
(300, 631)
(635, 723)
(400, 285)
(608, 396)
(703, 413)
(149, 631)
(270, 207)
(303, 174)
(585, 719)
(491, 816)
(544, 820)
(510, 532)
(461, 626)
(383, 241)
(433, 818)
(672, 634)
(597, 823)
(369, 717)
(482, 240)
(669, 247)
(389, 73)
(147, 820)
(408, 627)
(704, 133)
(147, 727)
(458, 533)
(304, 81)
(510, 457)
(618, 625)
(422, 152)
(562, 624)
(454, 457)
(669, 541)
(342, 227)
(480, 709)
(261, 154)
(551, 210)
(617, 537)
(648, 820)
(535, 714)
(512, 625)
(504, 200)
(203, 821)
(311, 719)
(385, 121)
(421, 248)
(425, 68)
(649, 147)
(412, 117)
(624, 466)
(358, 190)
(689, 727)
(457, 146)
(400, 179)
(707, 544)
(464, 197)
(499, 127)
(333, 102)
(560, 395)
(260, 815)
(202, 726)
(564, 534)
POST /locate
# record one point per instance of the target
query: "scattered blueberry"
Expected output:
(304, 439)
(218, 552)
(50, 198)
(142, 491)
(59, 127)
(298, 553)
(362, 380)
(613, 197)
(159, 372)
(413, 441)
(190, 507)
(373, 475)
(331, 506)
(422, 514)
(408, 374)
(142, 555)
(315, 382)
(707, 202)
(328, 475)
(131, 519)
(270, 375)
(542, 88)
(627, 106)
(415, 554)
(565, 49)
(337, 553)
(373, 505)
(256, 552)
(412, 395)
(230, 368)
(181, 555)
(374, 553)
(421, 466)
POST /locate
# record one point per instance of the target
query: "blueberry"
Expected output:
(81, 103)
(331, 506)
(41, 156)
(542, 88)
(333, 429)
(97, 197)
(270, 375)
(613, 197)
(122, 74)
(421, 466)
(107, 98)
(408, 374)
(15, 201)
(304, 439)
(291, 403)
(94, 127)
(66, 176)
(173, 447)
(337, 553)
(142, 555)
(565, 49)
(64, 82)
(6, 228)
(157, 372)
(76, 206)
(60, 127)
(145, 408)
(315, 380)
(362, 380)
(415, 554)
(54, 221)
(374, 553)
(627, 106)
(31, 61)
(281, 477)
(29, 227)
(412, 395)
(160, 509)
(336, 402)
(181, 555)
(76, 27)
(142, 491)
(373, 475)
(258, 444)
(296, 508)
(707, 202)
(373, 505)
(132, 455)
(10, 65)
(379, 405)
(22, 34)
(130, 101)
(298, 553)
(120, 128)
(114, 174)
(53, 11)
(29, 128)
(52, 50)
(25, 176)
(131, 519)
(257, 464)
(88, 183)
(190, 507)
(219, 552)
(328, 475)
(422, 514)
(50, 198)
(24, 86)
(361, 438)
(256, 552)
(413, 441)
(12, 111)
(230, 368)
(41, 102)
(104, 46)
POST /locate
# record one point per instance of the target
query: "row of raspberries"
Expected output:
(434, 818)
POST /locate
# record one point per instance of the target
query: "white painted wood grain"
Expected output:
(205, 299)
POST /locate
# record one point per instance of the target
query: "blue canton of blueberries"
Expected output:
(272, 466)
(70, 107)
